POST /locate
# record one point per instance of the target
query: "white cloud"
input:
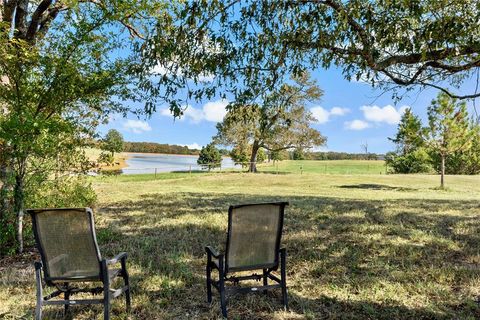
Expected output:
(387, 114)
(322, 115)
(212, 111)
(195, 115)
(192, 146)
(165, 112)
(356, 125)
(215, 111)
(338, 111)
(136, 126)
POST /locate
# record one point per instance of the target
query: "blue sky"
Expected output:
(349, 114)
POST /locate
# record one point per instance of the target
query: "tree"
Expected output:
(278, 155)
(411, 155)
(449, 129)
(60, 76)
(279, 122)
(364, 147)
(252, 46)
(240, 154)
(113, 142)
(210, 157)
(261, 156)
(298, 154)
(465, 161)
(410, 134)
(106, 158)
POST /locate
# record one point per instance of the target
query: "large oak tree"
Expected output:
(279, 121)
(251, 46)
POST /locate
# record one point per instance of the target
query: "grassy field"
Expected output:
(326, 166)
(359, 246)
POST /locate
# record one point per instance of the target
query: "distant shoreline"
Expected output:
(161, 154)
(165, 154)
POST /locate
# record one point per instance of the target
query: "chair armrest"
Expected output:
(118, 258)
(212, 252)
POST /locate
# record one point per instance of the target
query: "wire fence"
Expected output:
(318, 167)
(277, 167)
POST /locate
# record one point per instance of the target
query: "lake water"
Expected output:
(147, 163)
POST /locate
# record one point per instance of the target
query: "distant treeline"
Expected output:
(342, 156)
(152, 147)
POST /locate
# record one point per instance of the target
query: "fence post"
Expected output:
(155, 173)
(190, 170)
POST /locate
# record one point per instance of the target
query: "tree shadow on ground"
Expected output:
(356, 246)
(347, 258)
(373, 186)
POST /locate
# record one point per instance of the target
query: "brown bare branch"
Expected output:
(37, 18)
(21, 12)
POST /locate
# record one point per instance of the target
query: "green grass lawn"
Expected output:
(359, 246)
(326, 166)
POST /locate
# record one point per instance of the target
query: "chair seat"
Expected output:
(75, 277)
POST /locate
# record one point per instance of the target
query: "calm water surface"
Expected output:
(147, 163)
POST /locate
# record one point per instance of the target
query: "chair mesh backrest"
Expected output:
(254, 233)
(67, 244)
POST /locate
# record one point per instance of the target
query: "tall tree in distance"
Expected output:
(449, 129)
(113, 142)
(240, 154)
(410, 134)
(411, 154)
(280, 121)
(209, 157)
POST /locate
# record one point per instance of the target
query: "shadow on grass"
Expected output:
(347, 259)
(372, 186)
(374, 256)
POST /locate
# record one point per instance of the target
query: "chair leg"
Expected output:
(38, 279)
(66, 297)
(265, 280)
(106, 291)
(283, 270)
(221, 287)
(126, 280)
(223, 300)
(209, 280)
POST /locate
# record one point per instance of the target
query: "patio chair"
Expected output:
(69, 252)
(253, 243)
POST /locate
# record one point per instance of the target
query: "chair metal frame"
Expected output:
(63, 284)
(224, 270)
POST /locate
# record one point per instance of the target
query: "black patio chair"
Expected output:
(68, 248)
(253, 243)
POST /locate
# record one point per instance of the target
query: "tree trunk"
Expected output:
(253, 157)
(442, 172)
(3, 190)
(18, 204)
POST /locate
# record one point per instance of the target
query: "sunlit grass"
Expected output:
(359, 246)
